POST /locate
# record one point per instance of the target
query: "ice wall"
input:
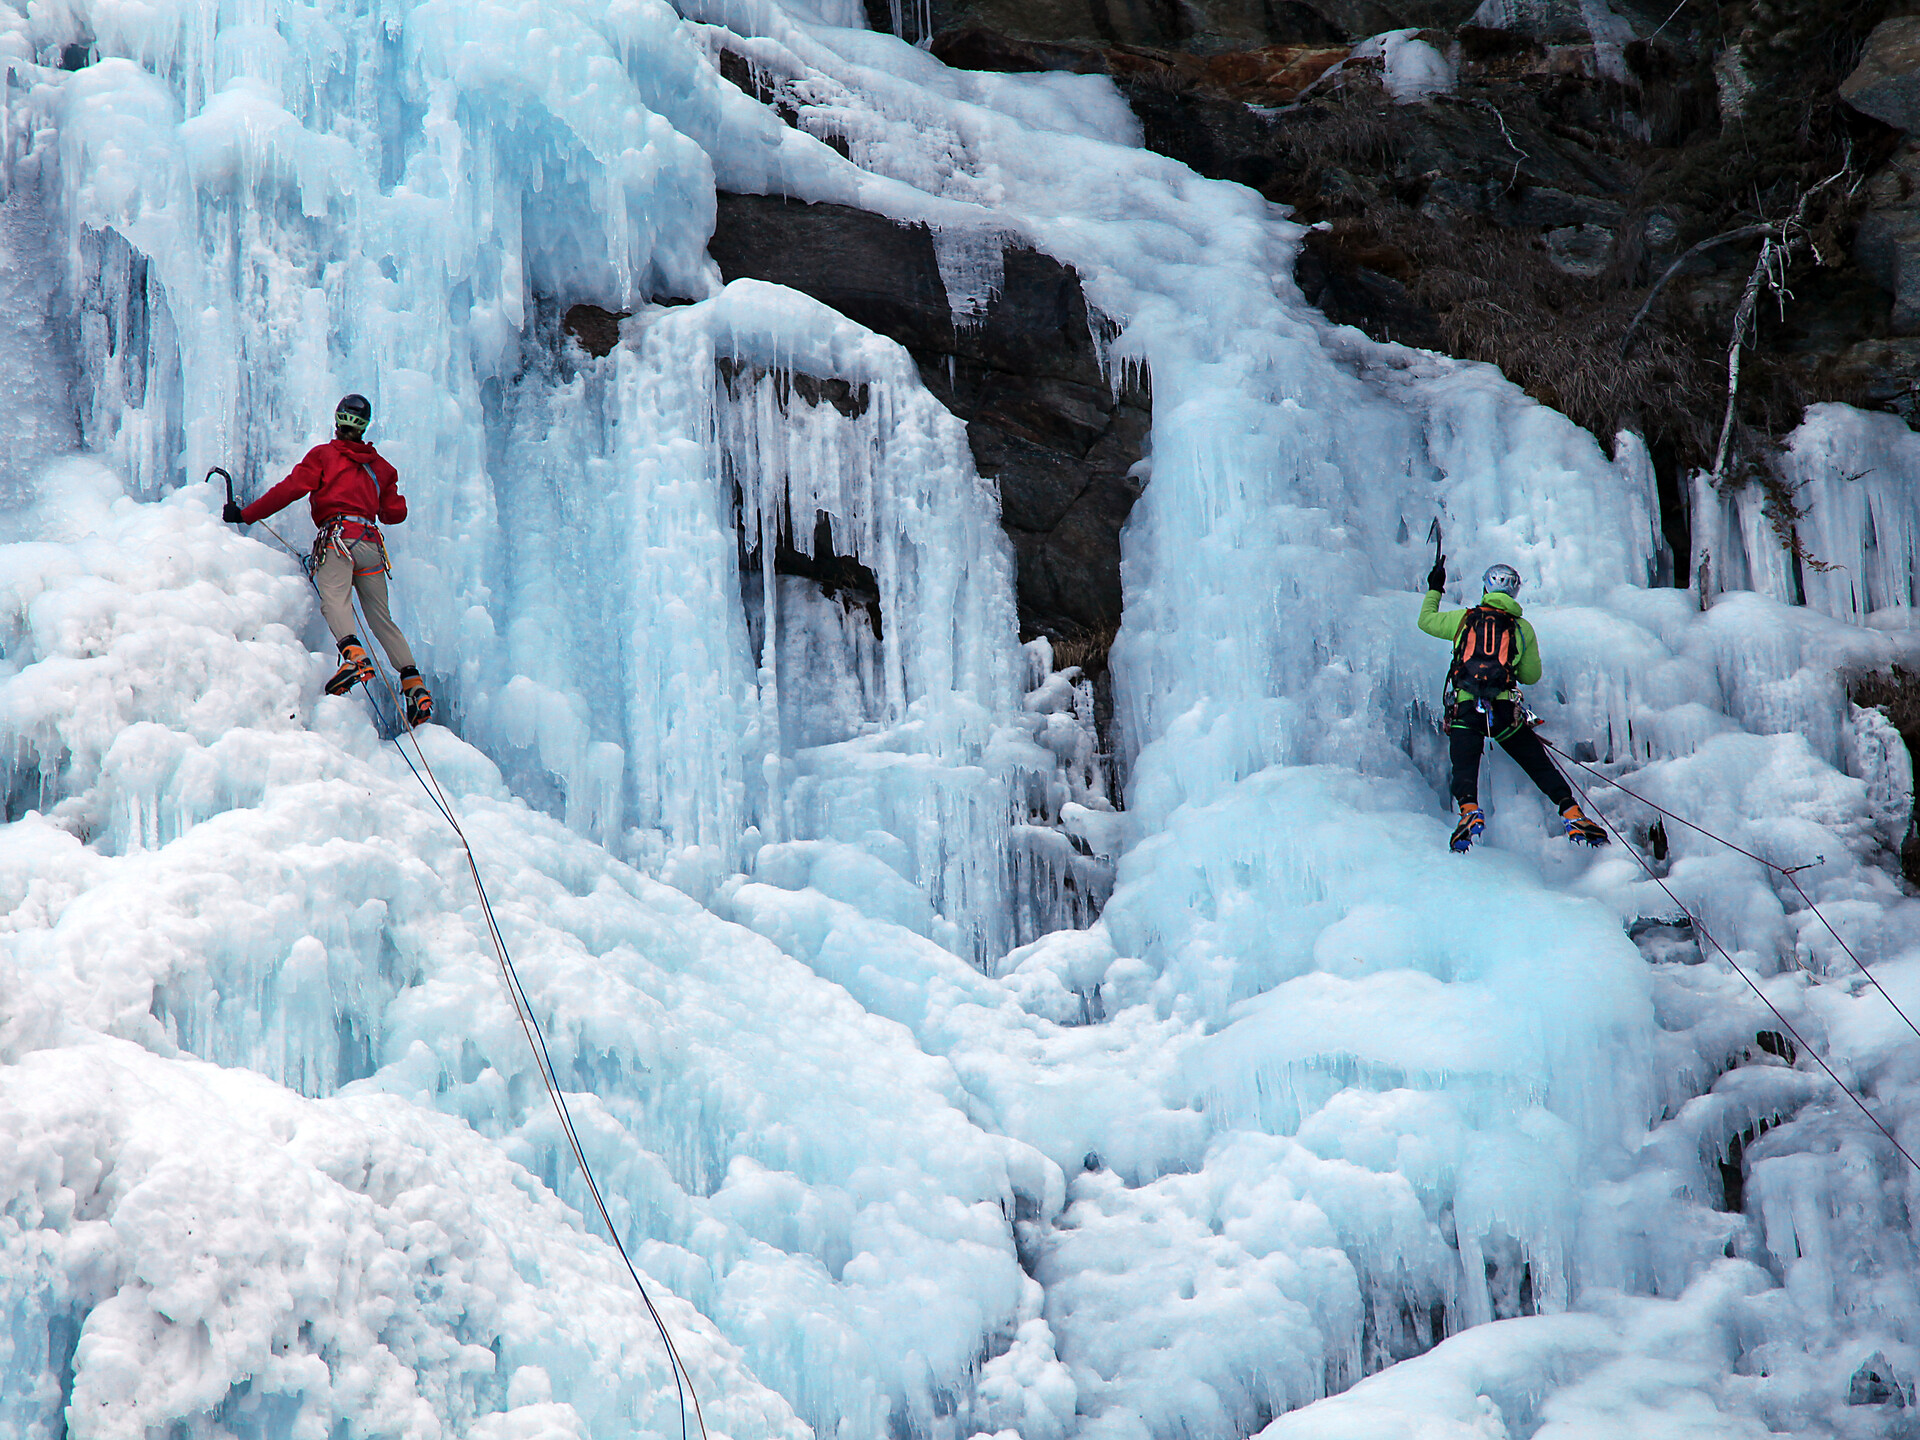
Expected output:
(1834, 530)
(628, 555)
(1278, 706)
(1310, 1098)
(261, 885)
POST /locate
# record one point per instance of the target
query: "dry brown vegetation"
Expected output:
(1497, 295)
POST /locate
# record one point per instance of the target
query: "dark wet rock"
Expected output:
(1357, 280)
(1886, 82)
(1875, 1383)
(597, 330)
(1886, 242)
(1042, 420)
(1200, 27)
(883, 275)
(1583, 149)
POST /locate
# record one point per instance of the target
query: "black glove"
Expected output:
(232, 514)
(1437, 577)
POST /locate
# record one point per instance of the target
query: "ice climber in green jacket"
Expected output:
(1494, 654)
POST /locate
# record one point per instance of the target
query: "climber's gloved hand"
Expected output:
(231, 514)
(1437, 577)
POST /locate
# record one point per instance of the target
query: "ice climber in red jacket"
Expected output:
(352, 491)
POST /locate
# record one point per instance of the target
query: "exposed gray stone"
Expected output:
(1890, 374)
(1662, 237)
(1546, 206)
(1041, 418)
(1552, 22)
(1874, 1383)
(1580, 250)
(1886, 83)
(1733, 81)
(1886, 242)
(1450, 192)
(1202, 27)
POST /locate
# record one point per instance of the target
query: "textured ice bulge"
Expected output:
(940, 1086)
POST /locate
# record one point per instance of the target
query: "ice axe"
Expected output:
(1433, 534)
(231, 513)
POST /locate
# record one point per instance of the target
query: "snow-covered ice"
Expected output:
(1314, 1128)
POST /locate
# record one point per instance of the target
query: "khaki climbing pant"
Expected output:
(367, 574)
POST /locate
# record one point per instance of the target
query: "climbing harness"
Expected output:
(522, 1006)
(339, 535)
(1457, 711)
(1791, 874)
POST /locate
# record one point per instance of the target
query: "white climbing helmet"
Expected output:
(1503, 578)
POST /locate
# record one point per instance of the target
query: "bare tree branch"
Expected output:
(1745, 232)
(1792, 230)
(1769, 270)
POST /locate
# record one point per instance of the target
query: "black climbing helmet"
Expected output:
(353, 413)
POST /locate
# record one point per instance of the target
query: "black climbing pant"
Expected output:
(1467, 732)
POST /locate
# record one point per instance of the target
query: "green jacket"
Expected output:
(1446, 625)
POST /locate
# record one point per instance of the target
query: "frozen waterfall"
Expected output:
(940, 1088)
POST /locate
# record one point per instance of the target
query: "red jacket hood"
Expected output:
(338, 477)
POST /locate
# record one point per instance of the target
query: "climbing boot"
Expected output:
(355, 667)
(1582, 831)
(1472, 822)
(419, 699)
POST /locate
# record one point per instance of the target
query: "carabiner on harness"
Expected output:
(340, 535)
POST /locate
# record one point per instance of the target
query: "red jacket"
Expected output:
(335, 476)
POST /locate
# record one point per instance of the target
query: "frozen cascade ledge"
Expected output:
(300, 913)
(1312, 1101)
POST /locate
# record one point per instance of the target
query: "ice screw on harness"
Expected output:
(340, 535)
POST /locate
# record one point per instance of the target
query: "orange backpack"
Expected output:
(1486, 653)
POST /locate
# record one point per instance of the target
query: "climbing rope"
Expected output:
(522, 1006)
(1791, 873)
(1701, 929)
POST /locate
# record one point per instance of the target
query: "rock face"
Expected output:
(1200, 27)
(1523, 212)
(1042, 419)
(1886, 83)
(1887, 242)
(1522, 204)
